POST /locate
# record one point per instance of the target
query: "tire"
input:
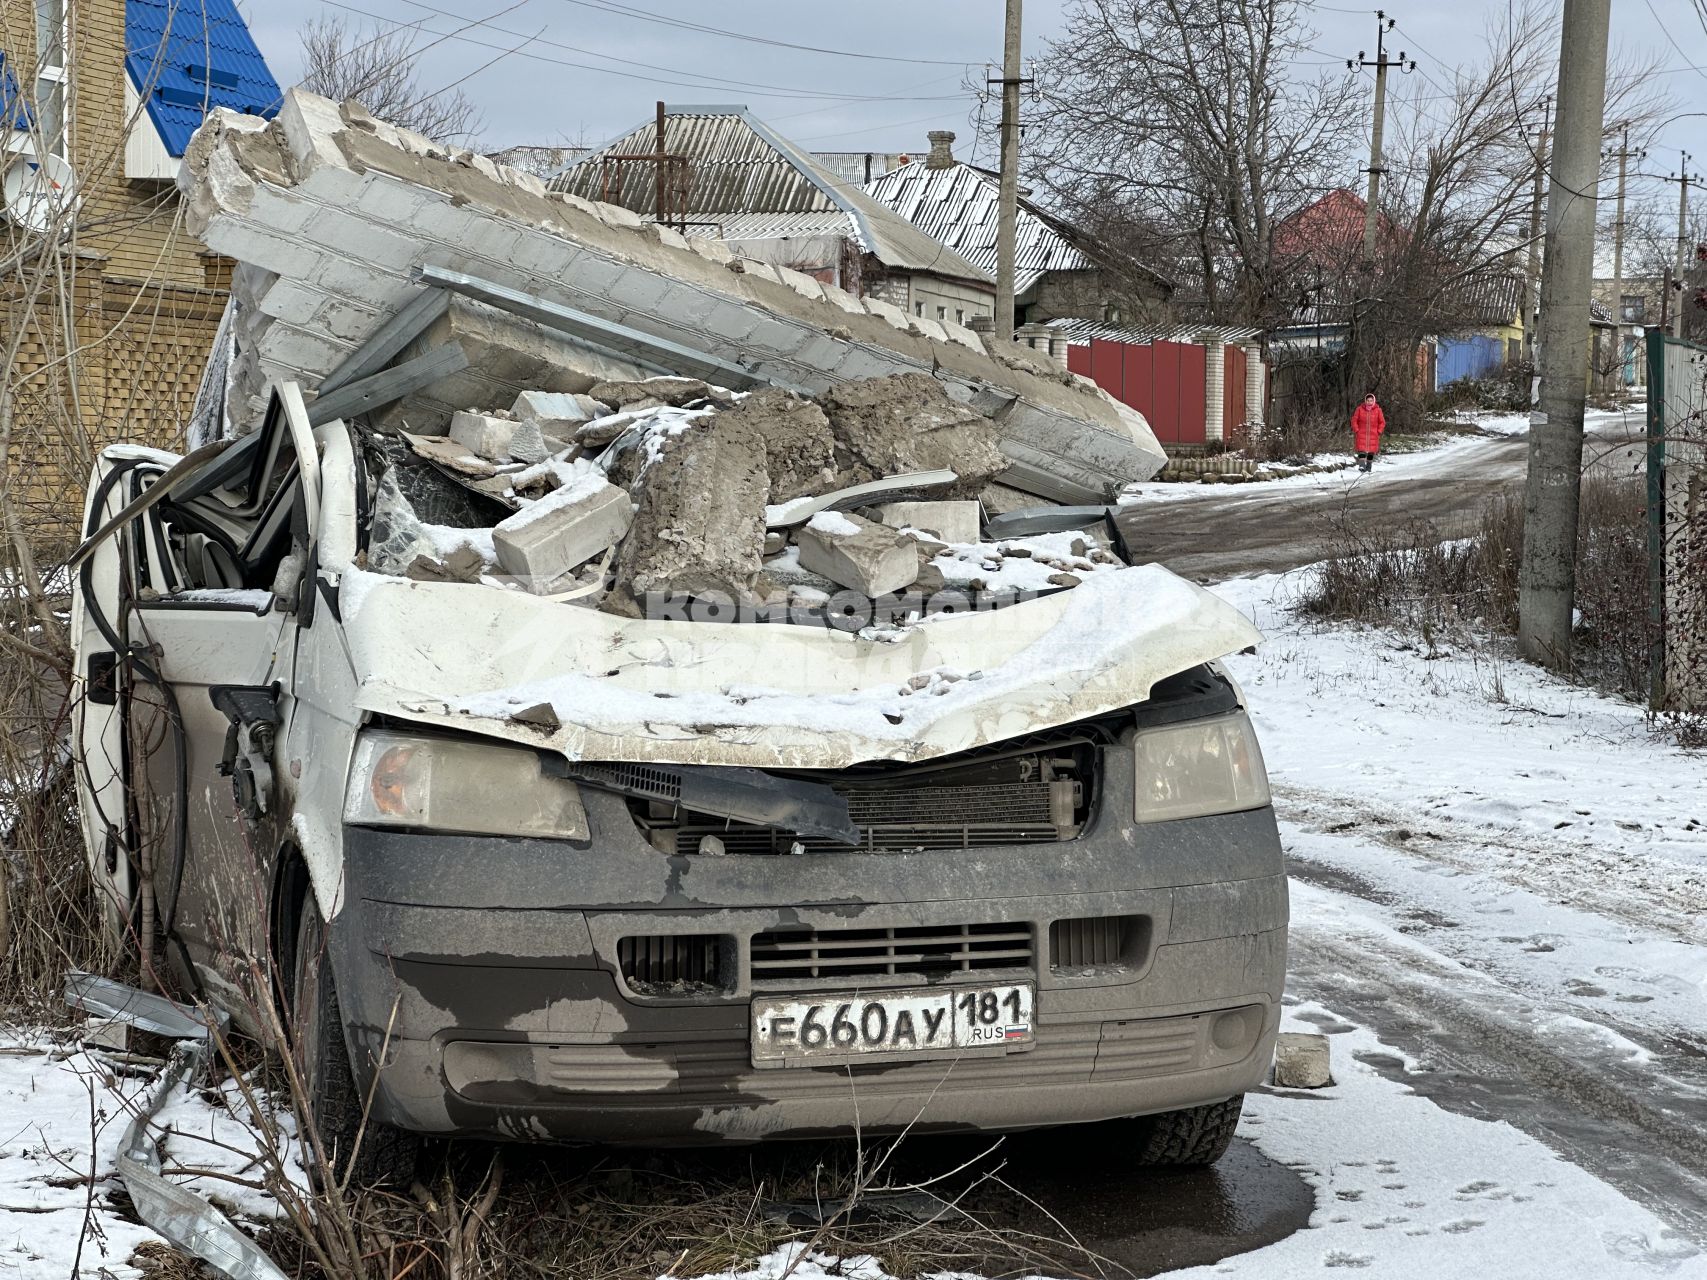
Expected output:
(385, 1155)
(1191, 1138)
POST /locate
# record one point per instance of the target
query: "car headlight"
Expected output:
(1199, 767)
(452, 785)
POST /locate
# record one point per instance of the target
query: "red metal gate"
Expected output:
(1233, 395)
(1162, 380)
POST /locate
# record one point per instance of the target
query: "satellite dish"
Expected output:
(38, 191)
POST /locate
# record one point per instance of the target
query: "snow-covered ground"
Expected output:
(63, 1113)
(1517, 424)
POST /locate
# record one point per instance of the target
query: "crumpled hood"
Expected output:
(764, 695)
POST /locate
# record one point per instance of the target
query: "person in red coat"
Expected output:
(1367, 424)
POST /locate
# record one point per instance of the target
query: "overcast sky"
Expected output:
(557, 71)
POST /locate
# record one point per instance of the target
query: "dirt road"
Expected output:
(1213, 532)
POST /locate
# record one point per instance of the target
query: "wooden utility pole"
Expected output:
(1372, 202)
(1547, 575)
(1624, 155)
(1532, 278)
(1007, 200)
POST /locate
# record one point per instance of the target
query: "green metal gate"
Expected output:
(1677, 522)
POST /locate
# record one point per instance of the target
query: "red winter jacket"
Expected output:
(1367, 424)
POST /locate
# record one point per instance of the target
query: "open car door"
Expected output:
(184, 622)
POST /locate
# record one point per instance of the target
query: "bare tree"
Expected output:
(1181, 132)
(380, 68)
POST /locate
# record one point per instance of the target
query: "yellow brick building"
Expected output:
(107, 306)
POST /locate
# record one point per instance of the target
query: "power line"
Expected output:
(627, 11)
(489, 25)
(675, 80)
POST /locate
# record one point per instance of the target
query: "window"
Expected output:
(918, 308)
(942, 313)
(50, 74)
(1633, 308)
(960, 315)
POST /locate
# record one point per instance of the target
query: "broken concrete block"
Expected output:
(959, 521)
(664, 390)
(700, 528)
(800, 453)
(528, 443)
(860, 554)
(775, 544)
(545, 543)
(484, 434)
(907, 422)
(1301, 1061)
(558, 412)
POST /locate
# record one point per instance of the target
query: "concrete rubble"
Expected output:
(1301, 1061)
(612, 411)
(862, 555)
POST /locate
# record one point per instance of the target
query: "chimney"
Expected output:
(942, 149)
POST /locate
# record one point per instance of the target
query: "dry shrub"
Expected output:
(1408, 577)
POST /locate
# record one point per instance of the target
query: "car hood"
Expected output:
(593, 686)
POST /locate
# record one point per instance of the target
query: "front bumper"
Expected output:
(484, 975)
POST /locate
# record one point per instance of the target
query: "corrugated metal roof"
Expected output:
(1085, 330)
(778, 226)
(741, 166)
(186, 59)
(858, 166)
(957, 206)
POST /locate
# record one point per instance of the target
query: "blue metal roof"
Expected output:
(15, 110)
(185, 57)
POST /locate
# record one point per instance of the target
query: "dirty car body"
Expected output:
(1064, 900)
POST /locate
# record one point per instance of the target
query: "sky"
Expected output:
(558, 72)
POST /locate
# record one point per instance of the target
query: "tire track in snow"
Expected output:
(1499, 1054)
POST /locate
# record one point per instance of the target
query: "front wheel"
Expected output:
(1191, 1138)
(374, 1154)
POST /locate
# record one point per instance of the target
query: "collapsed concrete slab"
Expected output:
(344, 210)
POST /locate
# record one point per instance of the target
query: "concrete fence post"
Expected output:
(1214, 379)
(1254, 388)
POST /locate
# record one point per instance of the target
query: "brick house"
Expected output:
(98, 99)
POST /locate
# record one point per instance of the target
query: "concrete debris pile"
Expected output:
(401, 282)
(555, 397)
(670, 487)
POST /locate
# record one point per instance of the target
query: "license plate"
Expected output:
(849, 1027)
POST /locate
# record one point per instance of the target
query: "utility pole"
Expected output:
(1007, 200)
(1532, 279)
(1624, 154)
(1383, 24)
(1683, 180)
(1547, 576)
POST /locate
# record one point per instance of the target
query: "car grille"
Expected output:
(928, 951)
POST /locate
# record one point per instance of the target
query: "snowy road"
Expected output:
(1502, 880)
(1211, 532)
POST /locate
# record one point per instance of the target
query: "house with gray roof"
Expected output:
(731, 177)
(1059, 270)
